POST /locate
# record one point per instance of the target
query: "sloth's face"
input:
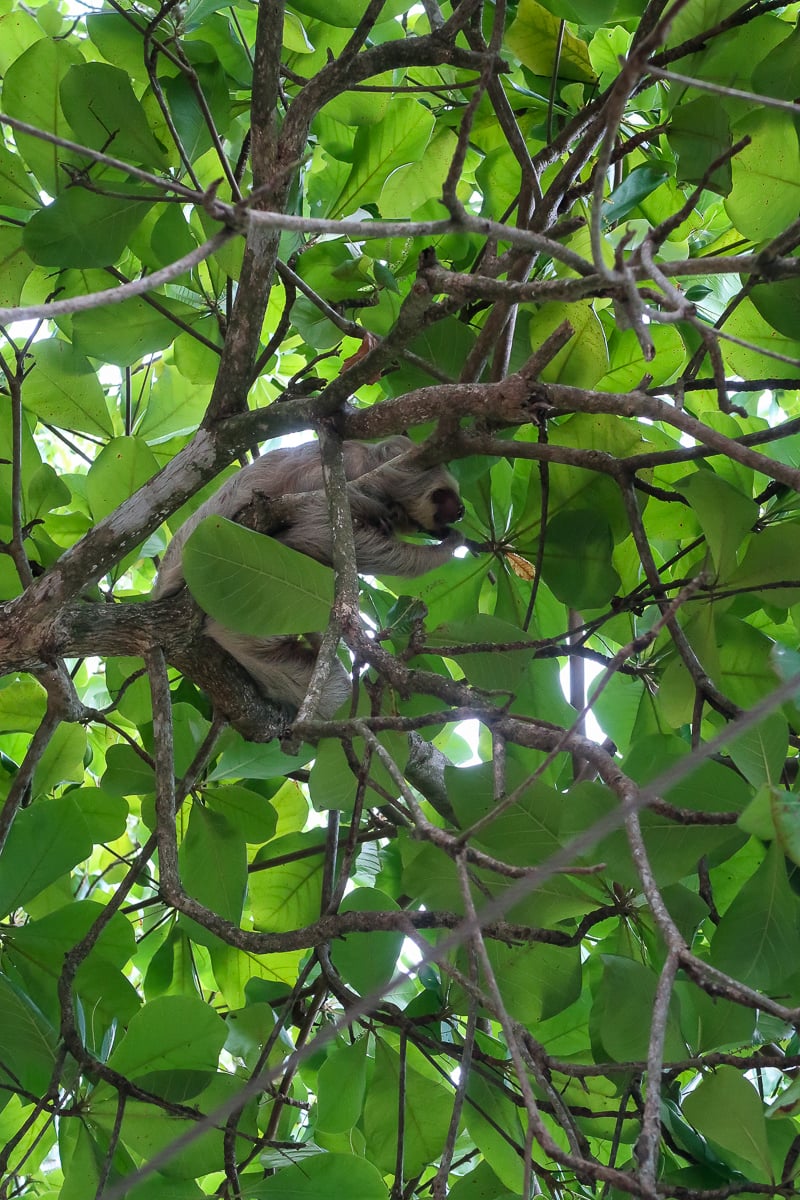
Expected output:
(447, 508)
(437, 506)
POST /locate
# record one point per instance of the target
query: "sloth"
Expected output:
(387, 498)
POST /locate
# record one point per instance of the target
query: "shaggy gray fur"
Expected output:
(387, 498)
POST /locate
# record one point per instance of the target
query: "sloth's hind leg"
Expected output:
(282, 667)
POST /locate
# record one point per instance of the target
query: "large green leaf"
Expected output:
(63, 390)
(727, 1109)
(172, 1033)
(27, 1042)
(766, 175)
(125, 333)
(341, 1087)
(84, 229)
(46, 841)
(31, 93)
(175, 406)
(213, 866)
(102, 110)
(537, 40)
(380, 149)
(779, 303)
(628, 365)
(624, 1010)
(427, 1105)
(577, 564)
(253, 584)
(584, 359)
(725, 515)
(15, 266)
(17, 189)
(757, 939)
(147, 1130)
(36, 952)
(493, 1122)
(325, 1177)
(699, 133)
(119, 470)
(346, 13)
(287, 895)
(367, 961)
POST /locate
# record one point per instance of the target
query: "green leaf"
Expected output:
(22, 706)
(538, 41)
(786, 818)
(699, 133)
(247, 760)
(332, 784)
(536, 981)
(175, 1033)
(63, 390)
(757, 940)
(367, 961)
(27, 1041)
(213, 867)
(748, 324)
(634, 188)
(46, 491)
(119, 470)
(146, 1130)
(344, 13)
(584, 359)
(766, 175)
(380, 149)
(36, 951)
(605, 49)
(175, 406)
(245, 811)
(493, 1123)
(18, 31)
(288, 895)
(410, 186)
(124, 333)
(325, 1177)
(341, 1085)
(102, 110)
(118, 37)
(629, 366)
(197, 11)
(31, 93)
(83, 229)
(188, 115)
(62, 760)
(577, 563)
(46, 841)
(769, 560)
(778, 302)
(760, 752)
(427, 1112)
(253, 584)
(15, 266)
(623, 1011)
(17, 189)
(479, 1184)
(776, 73)
(727, 1110)
(127, 774)
(725, 515)
(487, 669)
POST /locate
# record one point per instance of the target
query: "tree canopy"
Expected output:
(524, 917)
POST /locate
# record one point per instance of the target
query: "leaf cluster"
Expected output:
(523, 918)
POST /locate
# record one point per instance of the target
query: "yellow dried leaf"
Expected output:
(520, 566)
